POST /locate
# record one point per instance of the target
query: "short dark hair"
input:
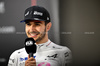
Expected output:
(46, 23)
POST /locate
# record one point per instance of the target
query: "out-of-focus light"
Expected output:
(2, 60)
(2, 7)
(7, 29)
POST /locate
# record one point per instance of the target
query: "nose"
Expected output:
(32, 27)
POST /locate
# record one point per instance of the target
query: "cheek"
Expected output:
(40, 29)
(26, 29)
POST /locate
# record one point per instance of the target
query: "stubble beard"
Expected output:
(41, 36)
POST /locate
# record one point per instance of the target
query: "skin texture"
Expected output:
(39, 32)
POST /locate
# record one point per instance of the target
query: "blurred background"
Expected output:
(76, 24)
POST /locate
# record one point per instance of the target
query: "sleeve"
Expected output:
(13, 59)
(66, 56)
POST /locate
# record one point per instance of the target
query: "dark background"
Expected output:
(82, 19)
(77, 27)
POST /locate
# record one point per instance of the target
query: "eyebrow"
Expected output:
(38, 21)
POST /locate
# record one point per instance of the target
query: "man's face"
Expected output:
(35, 30)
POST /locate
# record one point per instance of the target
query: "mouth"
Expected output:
(33, 35)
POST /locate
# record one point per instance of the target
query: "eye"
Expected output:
(37, 24)
(28, 24)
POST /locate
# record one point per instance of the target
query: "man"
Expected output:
(37, 25)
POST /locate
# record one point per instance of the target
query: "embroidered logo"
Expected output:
(37, 13)
(27, 13)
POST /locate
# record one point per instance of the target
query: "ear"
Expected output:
(48, 26)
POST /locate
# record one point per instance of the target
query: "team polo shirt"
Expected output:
(47, 54)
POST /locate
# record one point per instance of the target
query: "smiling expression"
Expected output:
(36, 30)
